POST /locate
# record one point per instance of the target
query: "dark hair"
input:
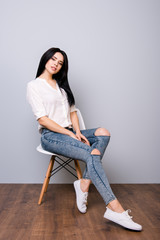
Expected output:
(62, 76)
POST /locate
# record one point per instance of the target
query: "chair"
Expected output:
(62, 163)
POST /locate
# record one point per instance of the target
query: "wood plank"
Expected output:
(58, 218)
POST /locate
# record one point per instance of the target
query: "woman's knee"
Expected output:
(95, 151)
(102, 132)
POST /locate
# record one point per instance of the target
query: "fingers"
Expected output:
(85, 140)
(88, 143)
(78, 137)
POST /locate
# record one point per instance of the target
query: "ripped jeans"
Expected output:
(67, 146)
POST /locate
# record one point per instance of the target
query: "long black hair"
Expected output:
(62, 76)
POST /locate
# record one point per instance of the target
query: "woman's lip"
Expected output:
(54, 68)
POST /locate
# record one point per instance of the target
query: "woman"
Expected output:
(53, 105)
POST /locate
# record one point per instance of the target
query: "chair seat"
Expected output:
(40, 149)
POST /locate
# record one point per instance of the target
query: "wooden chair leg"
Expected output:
(51, 167)
(46, 180)
(78, 169)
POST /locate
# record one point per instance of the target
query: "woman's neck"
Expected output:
(46, 75)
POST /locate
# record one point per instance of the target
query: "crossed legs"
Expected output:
(85, 183)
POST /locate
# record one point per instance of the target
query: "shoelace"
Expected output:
(127, 213)
(85, 195)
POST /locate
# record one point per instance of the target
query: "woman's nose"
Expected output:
(56, 63)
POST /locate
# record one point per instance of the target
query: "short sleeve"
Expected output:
(34, 99)
(73, 108)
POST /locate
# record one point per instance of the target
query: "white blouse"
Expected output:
(50, 102)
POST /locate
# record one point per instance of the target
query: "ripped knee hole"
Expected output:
(96, 152)
(102, 132)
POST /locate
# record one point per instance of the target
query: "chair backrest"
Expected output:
(81, 125)
(81, 121)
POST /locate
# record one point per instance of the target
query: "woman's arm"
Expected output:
(75, 121)
(53, 126)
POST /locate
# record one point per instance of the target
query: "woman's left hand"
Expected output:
(82, 138)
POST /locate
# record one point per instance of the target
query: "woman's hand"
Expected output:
(71, 134)
(82, 138)
(79, 136)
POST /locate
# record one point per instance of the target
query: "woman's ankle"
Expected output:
(84, 184)
(115, 206)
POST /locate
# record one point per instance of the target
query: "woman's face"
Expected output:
(54, 64)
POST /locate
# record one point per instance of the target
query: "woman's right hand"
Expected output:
(73, 135)
(84, 140)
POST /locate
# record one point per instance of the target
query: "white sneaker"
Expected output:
(81, 197)
(123, 219)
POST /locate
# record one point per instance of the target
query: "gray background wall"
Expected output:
(114, 55)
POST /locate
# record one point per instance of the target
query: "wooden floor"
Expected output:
(58, 218)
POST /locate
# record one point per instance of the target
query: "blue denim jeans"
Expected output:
(67, 146)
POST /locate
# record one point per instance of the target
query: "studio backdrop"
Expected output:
(114, 55)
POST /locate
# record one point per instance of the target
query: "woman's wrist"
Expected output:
(78, 131)
(69, 133)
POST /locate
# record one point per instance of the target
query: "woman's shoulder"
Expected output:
(35, 83)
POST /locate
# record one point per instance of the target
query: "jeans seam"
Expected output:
(100, 178)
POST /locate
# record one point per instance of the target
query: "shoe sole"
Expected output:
(122, 224)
